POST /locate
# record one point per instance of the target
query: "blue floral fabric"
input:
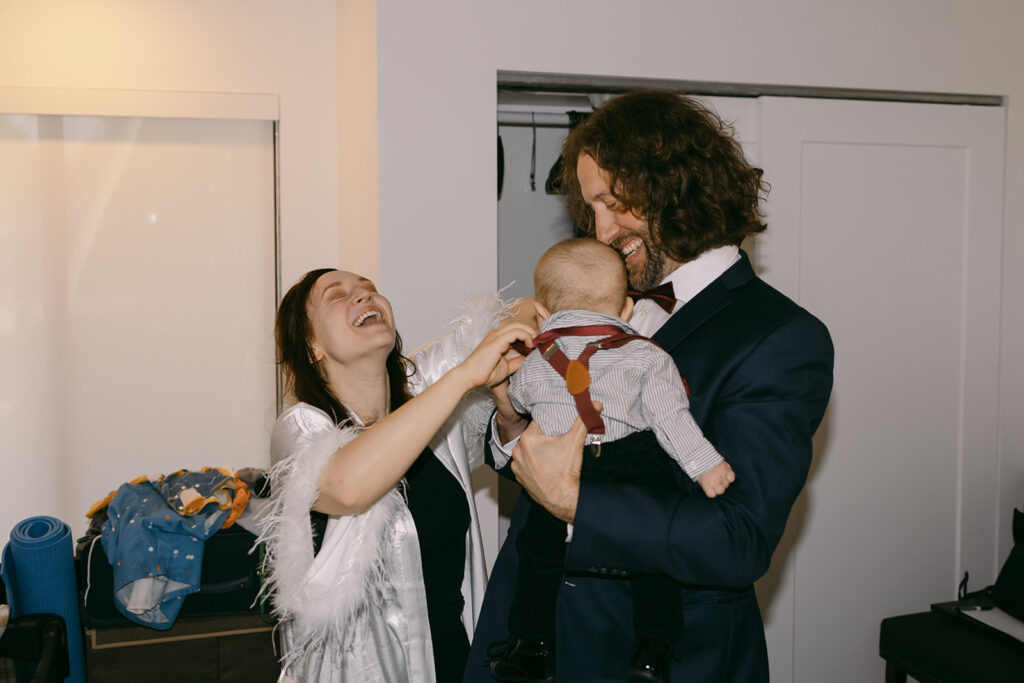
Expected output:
(156, 553)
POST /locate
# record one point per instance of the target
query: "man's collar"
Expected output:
(692, 277)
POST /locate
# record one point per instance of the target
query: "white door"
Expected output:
(885, 220)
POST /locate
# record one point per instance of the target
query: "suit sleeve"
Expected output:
(762, 420)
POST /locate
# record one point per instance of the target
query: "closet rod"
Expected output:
(526, 119)
(527, 81)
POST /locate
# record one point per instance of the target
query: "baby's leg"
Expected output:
(657, 600)
(657, 608)
(528, 654)
(541, 548)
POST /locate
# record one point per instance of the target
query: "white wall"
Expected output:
(438, 210)
(437, 80)
(437, 99)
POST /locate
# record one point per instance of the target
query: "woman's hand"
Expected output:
(493, 360)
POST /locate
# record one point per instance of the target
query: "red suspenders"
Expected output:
(577, 372)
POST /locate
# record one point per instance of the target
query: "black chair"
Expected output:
(38, 638)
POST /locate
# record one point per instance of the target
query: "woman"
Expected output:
(389, 586)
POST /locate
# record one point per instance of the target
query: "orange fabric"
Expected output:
(236, 496)
(104, 502)
(242, 496)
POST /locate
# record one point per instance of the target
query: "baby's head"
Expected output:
(582, 273)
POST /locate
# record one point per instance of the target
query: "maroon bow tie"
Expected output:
(664, 295)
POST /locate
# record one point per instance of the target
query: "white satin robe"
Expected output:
(356, 613)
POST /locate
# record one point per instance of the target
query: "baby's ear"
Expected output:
(627, 309)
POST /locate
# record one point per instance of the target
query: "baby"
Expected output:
(587, 352)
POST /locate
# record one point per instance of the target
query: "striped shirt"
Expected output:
(638, 383)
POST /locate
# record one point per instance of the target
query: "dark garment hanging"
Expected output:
(501, 166)
(553, 185)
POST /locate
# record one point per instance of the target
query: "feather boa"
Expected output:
(320, 602)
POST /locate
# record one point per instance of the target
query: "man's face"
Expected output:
(620, 228)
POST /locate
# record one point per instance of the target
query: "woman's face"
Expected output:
(350, 320)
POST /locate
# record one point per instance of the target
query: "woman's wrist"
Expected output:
(460, 379)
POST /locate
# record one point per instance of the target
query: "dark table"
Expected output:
(938, 647)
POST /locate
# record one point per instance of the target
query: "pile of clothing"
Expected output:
(153, 532)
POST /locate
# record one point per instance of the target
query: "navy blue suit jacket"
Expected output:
(760, 371)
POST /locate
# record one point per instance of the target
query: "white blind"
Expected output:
(136, 305)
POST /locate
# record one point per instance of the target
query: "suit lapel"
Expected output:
(705, 305)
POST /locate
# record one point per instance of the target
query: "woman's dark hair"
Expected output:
(293, 333)
(675, 164)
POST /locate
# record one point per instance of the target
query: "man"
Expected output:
(661, 179)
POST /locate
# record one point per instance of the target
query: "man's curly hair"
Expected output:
(674, 163)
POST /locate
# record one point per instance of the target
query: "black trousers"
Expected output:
(657, 600)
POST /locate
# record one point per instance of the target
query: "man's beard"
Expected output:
(653, 272)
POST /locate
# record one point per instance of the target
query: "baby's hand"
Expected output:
(716, 480)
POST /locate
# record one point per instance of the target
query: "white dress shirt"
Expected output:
(687, 280)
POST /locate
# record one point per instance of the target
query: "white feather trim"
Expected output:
(476, 318)
(322, 597)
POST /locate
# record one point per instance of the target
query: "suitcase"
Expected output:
(229, 586)
(219, 636)
(229, 573)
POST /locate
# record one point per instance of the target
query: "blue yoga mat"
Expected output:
(39, 570)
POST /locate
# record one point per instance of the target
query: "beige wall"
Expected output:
(238, 46)
(358, 195)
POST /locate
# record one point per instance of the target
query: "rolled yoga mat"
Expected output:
(39, 570)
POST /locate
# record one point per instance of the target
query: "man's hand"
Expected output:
(548, 467)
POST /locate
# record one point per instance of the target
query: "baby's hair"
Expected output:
(581, 273)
